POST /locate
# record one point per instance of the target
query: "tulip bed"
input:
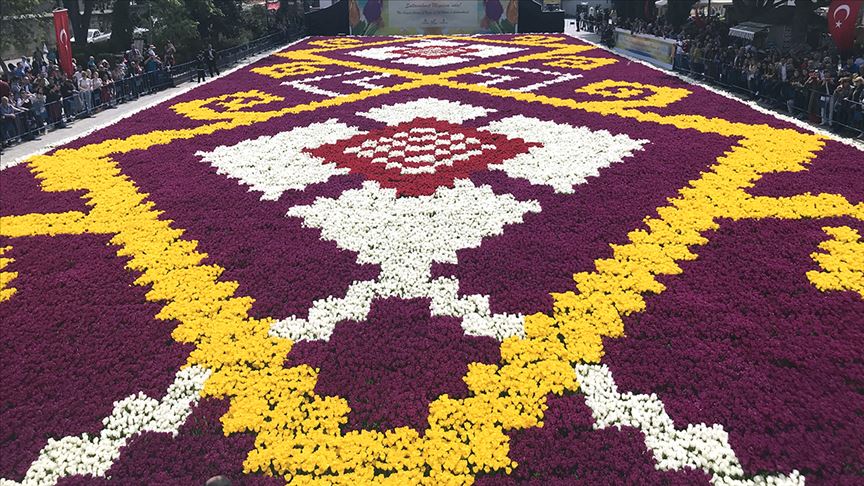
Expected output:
(441, 260)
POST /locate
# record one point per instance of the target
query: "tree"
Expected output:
(172, 20)
(226, 19)
(202, 12)
(121, 25)
(80, 20)
(15, 24)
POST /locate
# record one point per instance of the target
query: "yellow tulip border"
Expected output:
(298, 433)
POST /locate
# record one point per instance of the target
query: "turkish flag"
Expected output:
(842, 18)
(63, 30)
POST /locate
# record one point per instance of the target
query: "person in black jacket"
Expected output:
(67, 91)
(52, 105)
(199, 66)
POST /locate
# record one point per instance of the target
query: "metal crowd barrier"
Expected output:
(806, 103)
(30, 123)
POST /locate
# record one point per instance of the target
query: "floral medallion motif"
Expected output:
(438, 260)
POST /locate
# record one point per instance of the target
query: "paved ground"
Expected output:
(80, 127)
(15, 154)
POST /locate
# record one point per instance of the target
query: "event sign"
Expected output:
(396, 17)
(660, 52)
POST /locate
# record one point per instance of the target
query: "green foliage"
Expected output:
(16, 31)
(257, 22)
(192, 24)
(175, 21)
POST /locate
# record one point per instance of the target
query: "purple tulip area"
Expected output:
(491, 259)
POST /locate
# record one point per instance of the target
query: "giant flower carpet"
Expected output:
(442, 260)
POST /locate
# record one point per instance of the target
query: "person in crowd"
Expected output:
(826, 98)
(9, 114)
(68, 93)
(170, 55)
(40, 95)
(117, 77)
(54, 106)
(38, 111)
(811, 86)
(200, 65)
(857, 103)
(696, 58)
(840, 100)
(802, 79)
(5, 91)
(107, 88)
(85, 90)
(27, 123)
(151, 65)
(95, 89)
(210, 56)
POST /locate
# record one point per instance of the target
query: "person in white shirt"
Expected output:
(85, 87)
(96, 87)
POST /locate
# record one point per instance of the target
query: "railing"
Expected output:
(814, 105)
(31, 122)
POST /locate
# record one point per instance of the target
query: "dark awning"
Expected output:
(748, 30)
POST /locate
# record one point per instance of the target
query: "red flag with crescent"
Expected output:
(63, 30)
(842, 18)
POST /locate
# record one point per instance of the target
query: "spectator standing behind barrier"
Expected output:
(107, 89)
(826, 97)
(151, 66)
(77, 75)
(40, 114)
(9, 113)
(5, 92)
(210, 56)
(96, 89)
(53, 106)
(40, 96)
(67, 93)
(857, 97)
(170, 55)
(200, 66)
(85, 89)
(841, 94)
(812, 86)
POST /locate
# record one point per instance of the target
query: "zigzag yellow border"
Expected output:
(298, 432)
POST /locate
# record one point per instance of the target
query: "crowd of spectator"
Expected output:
(36, 94)
(812, 82)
